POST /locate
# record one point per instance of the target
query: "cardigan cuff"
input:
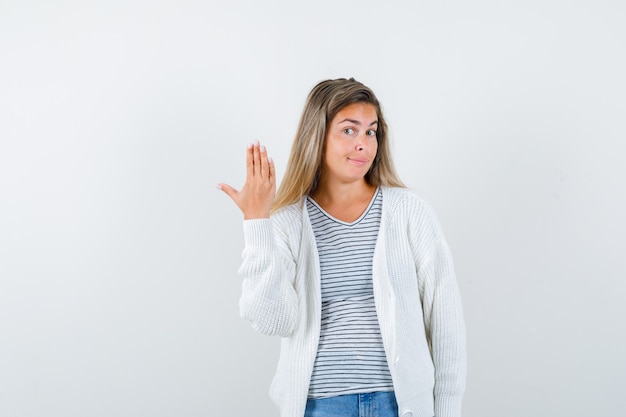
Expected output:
(258, 233)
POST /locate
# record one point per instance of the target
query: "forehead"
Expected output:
(361, 111)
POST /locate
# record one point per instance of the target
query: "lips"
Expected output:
(358, 161)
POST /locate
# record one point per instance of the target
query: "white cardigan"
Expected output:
(415, 290)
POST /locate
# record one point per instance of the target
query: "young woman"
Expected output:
(351, 269)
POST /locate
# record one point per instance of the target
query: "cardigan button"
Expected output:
(407, 413)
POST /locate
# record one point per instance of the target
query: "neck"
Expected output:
(340, 192)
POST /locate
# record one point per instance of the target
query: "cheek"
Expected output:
(334, 149)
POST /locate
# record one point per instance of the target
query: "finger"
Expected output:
(249, 161)
(230, 191)
(272, 170)
(257, 159)
(264, 164)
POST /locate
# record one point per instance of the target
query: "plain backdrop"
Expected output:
(118, 256)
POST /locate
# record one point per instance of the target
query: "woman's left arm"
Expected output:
(443, 314)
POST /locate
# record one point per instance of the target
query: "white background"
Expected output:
(118, 257)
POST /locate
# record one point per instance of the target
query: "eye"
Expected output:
(348, 131)
(371, 132)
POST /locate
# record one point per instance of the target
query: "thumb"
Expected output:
(230, 191)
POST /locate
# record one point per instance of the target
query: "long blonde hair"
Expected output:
(325, 100)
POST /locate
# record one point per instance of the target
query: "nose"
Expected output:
(360, 143)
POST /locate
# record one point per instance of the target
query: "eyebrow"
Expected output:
(356, 122)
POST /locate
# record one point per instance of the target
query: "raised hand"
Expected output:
(256, 197)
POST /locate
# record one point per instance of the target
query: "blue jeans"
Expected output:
(375, 404)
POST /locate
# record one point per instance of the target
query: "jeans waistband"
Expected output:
(373, 404)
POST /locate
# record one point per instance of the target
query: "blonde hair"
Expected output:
(325, 100)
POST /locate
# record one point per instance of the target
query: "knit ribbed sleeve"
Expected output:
(268, 298)
(443, 315)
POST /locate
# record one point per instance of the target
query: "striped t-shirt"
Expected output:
(350, 357)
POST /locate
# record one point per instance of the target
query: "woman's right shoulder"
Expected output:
(288, 217)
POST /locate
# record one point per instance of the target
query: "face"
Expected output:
(351, 143)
